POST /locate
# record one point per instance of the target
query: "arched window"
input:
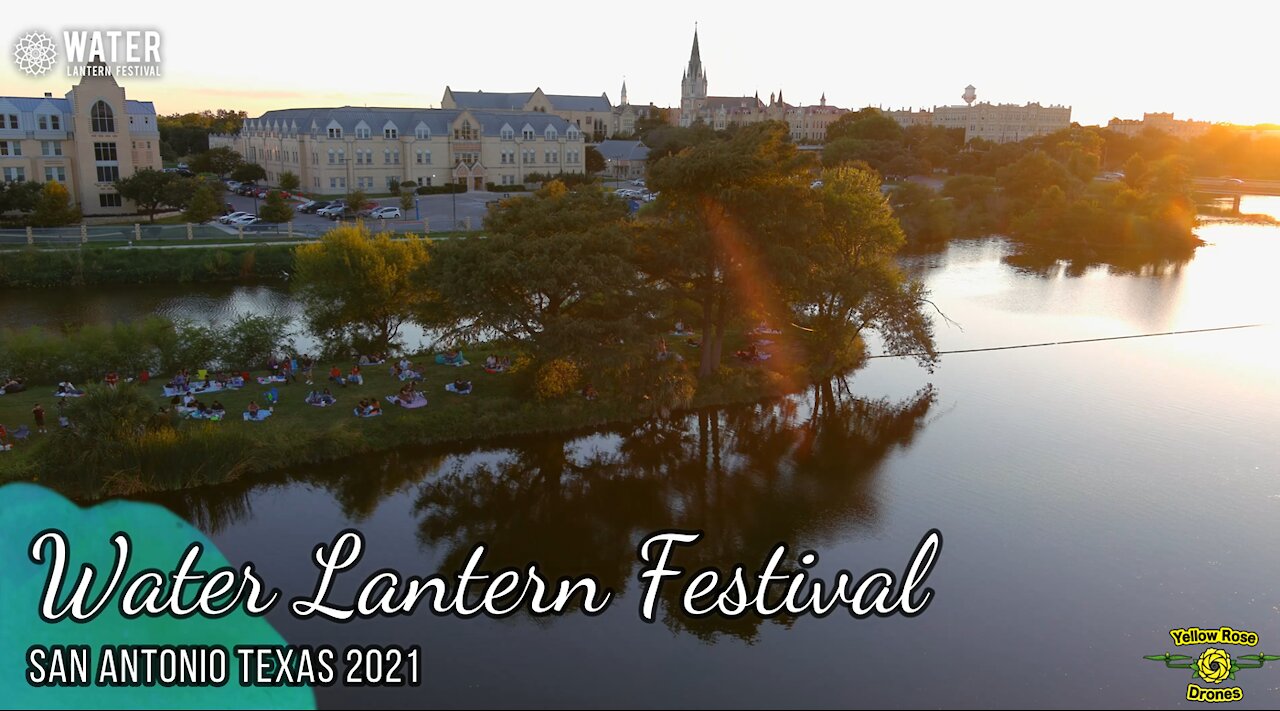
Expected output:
(102, 119)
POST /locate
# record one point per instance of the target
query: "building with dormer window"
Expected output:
(86, 140)
(333, 150)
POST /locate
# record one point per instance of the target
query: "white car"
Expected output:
(333, 210)
(385, 213)
(638, 182)
(227, 219)
(243, 220)
(302, 206)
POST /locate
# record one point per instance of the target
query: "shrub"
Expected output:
(556, 379)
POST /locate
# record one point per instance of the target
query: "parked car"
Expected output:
(816, 184)
(245, 219)
(333, 210)
(314, 205)
(385, 213)
(638, 182)
(226, 219)
(302, 206)
(233, 185)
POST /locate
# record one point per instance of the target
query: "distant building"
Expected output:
(86, 141)
(806, 123)
(998, 123)
(593, 115)
(624, 159)
(334, 150)
(1164, 123)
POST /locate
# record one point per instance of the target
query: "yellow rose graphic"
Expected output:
(1214, 665)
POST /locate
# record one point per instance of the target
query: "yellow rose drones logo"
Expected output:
(1214, 665)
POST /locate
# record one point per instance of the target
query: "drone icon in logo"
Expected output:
(35, 53)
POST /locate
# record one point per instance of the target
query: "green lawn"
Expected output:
(298, 433)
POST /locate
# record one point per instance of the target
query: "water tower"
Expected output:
(970, 94)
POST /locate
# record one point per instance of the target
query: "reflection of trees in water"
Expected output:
(798, 470)
(1075, 260)
(794, 471)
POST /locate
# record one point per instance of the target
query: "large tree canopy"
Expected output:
(357, 289)
(555, 272)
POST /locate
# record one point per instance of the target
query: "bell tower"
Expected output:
(693, 87)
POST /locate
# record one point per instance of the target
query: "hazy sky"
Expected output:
(1118, 58)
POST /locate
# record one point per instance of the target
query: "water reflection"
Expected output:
(800, 470)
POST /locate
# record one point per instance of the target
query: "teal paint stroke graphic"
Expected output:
(159, 539)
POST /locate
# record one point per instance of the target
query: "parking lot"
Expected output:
(438, 210)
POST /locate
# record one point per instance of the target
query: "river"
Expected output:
(1091, 497)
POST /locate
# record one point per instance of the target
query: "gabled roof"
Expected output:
(406, 120)
(29, 104)
(569, 102)
(623, 150)
(507, 101)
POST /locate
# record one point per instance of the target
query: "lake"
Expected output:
(1091, 497)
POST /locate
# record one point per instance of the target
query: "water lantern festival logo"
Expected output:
(35, 53)
(1214, 665)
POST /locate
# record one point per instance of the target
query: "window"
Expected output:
(315, 182)
(342, 155)
(50, 148)
(390, 133)
(527, 134)
(386, 156)
(315, 160)
(13, 121)
(108, 173)
(335, 132)
(527, 156)
(508, 133)
(101, 119)
(550, 133)
(338, 183)
(572, 134)
(331, 156)
(42, 122)
(553, 156)
(104, 151)
(10, 148)
(362, 132)
(110, 200)
(424, 157)
(55, 173)
(423, 132)
(14, 175)
(466, 132)
(395, 157)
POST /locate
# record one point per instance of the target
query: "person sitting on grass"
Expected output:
(112, 379)
(15, 385)
(355, 376)
(217, 409)
(335, 376)
(589, 392)
(460, 386)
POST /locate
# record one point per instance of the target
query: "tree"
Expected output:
(54, 208)
(406, 202)
(19, 196)
(556, 273)
(358, 289)
(723, 203)
(219, 161)
(248, 173)
(595, 160)
(179, 191)
(851, 283)
(275, 209)
(147, 188)
(203, 205)
(289, 181)
(356, 201)
(867, 124)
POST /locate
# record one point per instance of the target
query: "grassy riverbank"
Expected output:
(197, 453)
(87, 267)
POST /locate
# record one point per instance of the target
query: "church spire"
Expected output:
(695, 57)
(624, 91)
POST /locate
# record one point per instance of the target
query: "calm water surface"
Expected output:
(1091, 497)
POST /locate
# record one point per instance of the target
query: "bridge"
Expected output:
(1234, 188)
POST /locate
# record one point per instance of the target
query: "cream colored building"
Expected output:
(593, 115)
(1164, 123)
(86, 140)
(336, 150)
(998, 123)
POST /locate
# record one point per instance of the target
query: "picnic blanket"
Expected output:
(458, 362)
(73, 393)
(322, 402)
(409, 375)
(262, 415)
(419, 400)
(454, 389)
(358, 413)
